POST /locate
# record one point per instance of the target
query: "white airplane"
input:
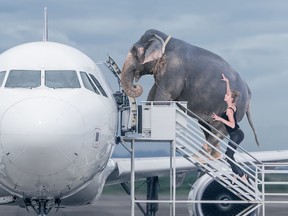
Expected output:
(58, 129)
(58, 123)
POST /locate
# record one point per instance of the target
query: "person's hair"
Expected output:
(235, 96)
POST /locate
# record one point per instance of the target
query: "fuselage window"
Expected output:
(23, 79)
(61, 79)
(88, 83)
(2, 75)
(98, 85)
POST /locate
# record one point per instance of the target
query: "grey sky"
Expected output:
(251, 35)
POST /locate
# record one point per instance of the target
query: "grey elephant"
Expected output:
(184, 72)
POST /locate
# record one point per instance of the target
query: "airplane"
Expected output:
(59, 126)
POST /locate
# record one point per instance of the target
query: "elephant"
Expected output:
(184, 72)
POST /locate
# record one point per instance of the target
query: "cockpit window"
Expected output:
(23, 79)
(2, 75)
(87, 82)
(98, 85)
(61, 79)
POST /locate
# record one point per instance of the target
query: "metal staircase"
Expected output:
(187, 134)
(189, 140)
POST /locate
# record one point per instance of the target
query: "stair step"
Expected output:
(219, 166)
(6, 200)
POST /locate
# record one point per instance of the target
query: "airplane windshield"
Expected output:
(88, 83)
(2, 75)
(61, 79)
(23, 79)
(98, 85)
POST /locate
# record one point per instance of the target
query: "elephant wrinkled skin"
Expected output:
(184, 72)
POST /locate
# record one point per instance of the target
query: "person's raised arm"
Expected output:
(227, 83)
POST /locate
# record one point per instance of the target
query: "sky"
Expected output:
(252, 36)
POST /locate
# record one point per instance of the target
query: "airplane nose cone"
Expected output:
(41, 136)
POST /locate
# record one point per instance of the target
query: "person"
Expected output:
(228, 118)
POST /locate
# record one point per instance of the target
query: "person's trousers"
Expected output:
(237, 137)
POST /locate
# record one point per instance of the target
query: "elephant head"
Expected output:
(141, 59)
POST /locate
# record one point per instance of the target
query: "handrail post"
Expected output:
(172, 178)
(132, 183)
(263, 188)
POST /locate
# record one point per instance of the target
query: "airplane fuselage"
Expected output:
(57, 131)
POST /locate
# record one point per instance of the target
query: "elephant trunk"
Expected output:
(128, 75)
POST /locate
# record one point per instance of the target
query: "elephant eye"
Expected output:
(150, 42)
(134, 50)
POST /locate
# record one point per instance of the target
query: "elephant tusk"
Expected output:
(167, 41)
(164, 44)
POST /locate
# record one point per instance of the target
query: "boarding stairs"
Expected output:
(189, 140)
(188, 136)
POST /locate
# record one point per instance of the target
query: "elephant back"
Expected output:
(204, 90)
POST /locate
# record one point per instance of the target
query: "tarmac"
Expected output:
(119, 205)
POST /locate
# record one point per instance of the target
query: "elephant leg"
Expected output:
(216, 152)
(211, 139)
(152, 93)
(162, 94)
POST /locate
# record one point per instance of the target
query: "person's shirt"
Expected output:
(224, 116)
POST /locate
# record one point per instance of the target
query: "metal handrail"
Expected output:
(220, 140)
(212, 127)
(244, 166)
(191, 138)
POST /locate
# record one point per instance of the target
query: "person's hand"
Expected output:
(215, 117)
(224, 78)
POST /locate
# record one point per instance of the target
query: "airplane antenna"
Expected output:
(45, 35)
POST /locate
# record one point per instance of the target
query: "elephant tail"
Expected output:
(248, 114)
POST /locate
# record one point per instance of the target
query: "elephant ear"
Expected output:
(155, 49)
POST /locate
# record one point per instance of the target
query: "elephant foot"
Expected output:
(206, 148)
(215, 153)
(205, 151)
(199, 160)
(209, 153)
